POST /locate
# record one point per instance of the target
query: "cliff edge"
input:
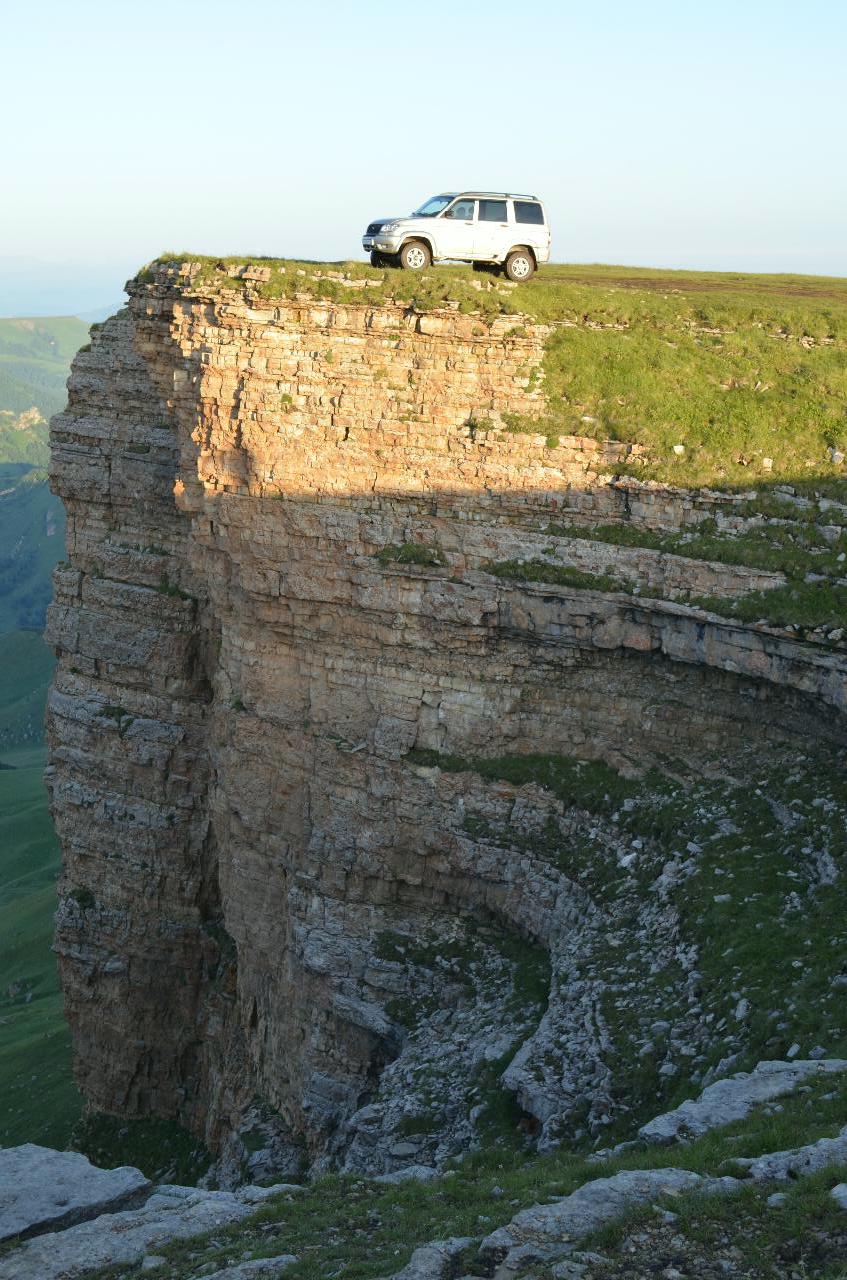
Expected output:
(389, 792)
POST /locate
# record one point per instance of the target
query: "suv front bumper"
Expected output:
(381, 243)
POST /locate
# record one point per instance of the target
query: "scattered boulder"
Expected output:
(591, 1206)
(435, 1261)
(839, 1195)
(733, 1098)
(798, 1162)
(258, 1269)
(171, 1213)
(410, 1173)
(42, 1189)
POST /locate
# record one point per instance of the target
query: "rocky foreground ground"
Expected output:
(61, 1218)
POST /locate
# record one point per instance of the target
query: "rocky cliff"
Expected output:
(334, 768)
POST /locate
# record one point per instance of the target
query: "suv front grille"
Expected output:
(374, 228)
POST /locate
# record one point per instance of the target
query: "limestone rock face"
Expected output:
(281, 520)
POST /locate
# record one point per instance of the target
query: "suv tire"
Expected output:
(378, 259)
(520, 265)
(415, 256)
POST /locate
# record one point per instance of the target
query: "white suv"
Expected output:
(487, 228)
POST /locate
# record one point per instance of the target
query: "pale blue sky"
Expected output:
(661, 134)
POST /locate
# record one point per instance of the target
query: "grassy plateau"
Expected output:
(735, 368)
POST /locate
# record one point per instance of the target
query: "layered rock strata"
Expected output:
(282, 519)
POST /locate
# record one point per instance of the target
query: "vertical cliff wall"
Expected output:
(280, 616)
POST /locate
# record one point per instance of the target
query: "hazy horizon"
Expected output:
(658, 135)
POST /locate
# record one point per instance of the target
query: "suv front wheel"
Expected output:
(519, 265)
(415, 255)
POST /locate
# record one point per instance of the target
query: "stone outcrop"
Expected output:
(171, 1213)
(42, 1189)
(550, 1228)
(282, 519)
(734, 1098)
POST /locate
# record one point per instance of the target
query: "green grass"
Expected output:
(780, 927)
(26, 667)
(560, 575)
(803, 606)
(32, 526)
(804, 1236)
(161, 1149)
(412, 553)
(38, 1100)
(356, 1230)
(794, 549)
(34, 359)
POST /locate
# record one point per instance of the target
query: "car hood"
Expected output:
(379, 223)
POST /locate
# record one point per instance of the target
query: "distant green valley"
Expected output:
(34, 359)
(39, 1101)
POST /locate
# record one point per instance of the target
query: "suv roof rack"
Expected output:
(509, 195)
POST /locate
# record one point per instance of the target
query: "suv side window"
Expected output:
(529, 211)
(492, 211)
(462, 210)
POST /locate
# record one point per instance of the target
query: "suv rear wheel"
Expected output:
(520, 265)
(415, 255)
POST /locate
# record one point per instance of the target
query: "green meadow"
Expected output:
(38, 1100)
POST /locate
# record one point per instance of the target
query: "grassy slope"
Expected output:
(38, 1101)
(34, 359)
(26, 667)
(355, 1230)
(32, 542)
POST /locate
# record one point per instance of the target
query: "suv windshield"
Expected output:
(432, 207)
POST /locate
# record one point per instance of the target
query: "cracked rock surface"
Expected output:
(41, 1189)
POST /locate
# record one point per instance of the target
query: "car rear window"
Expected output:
(492, 210)
(529, 211)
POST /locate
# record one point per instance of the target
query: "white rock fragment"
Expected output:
(781, 1165)
(410, 1173)
(435, 1261)
(733, 1098)
(594, 1204)
(258, 1269)
(172, 1213)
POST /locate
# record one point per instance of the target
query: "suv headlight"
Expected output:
(391, 226)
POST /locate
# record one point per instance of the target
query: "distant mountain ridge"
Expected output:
(35, 355)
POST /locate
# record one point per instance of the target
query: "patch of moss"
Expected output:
(417, 553)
